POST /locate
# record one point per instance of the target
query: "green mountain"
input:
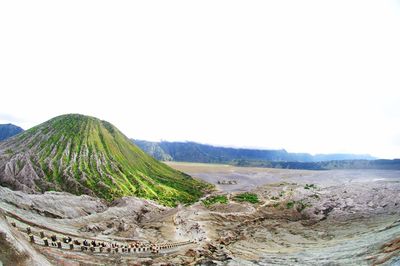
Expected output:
(8, 131)
(84, 155)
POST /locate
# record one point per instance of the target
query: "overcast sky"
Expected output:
(307, 76)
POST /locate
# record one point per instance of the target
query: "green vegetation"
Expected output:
(300, 205)
(290, 204)
(310, 186)
(247, 196)
(82, 154)
(215, 199)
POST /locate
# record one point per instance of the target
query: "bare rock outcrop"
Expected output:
(15, 250)
(54, 204)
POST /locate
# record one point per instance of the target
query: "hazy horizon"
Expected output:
(310, 76)
(229, 146)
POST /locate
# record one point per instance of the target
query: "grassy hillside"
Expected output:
(85, 155)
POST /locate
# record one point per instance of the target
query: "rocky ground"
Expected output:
(350, 223)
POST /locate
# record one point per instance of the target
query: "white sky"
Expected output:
(307, 76)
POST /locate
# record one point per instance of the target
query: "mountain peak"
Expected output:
(9, 130)
(85, 155)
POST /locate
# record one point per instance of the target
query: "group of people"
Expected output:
(86, 245)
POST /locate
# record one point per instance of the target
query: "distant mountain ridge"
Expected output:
(202, 153)
(84, 155)
(381, 164)
(8, 131)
